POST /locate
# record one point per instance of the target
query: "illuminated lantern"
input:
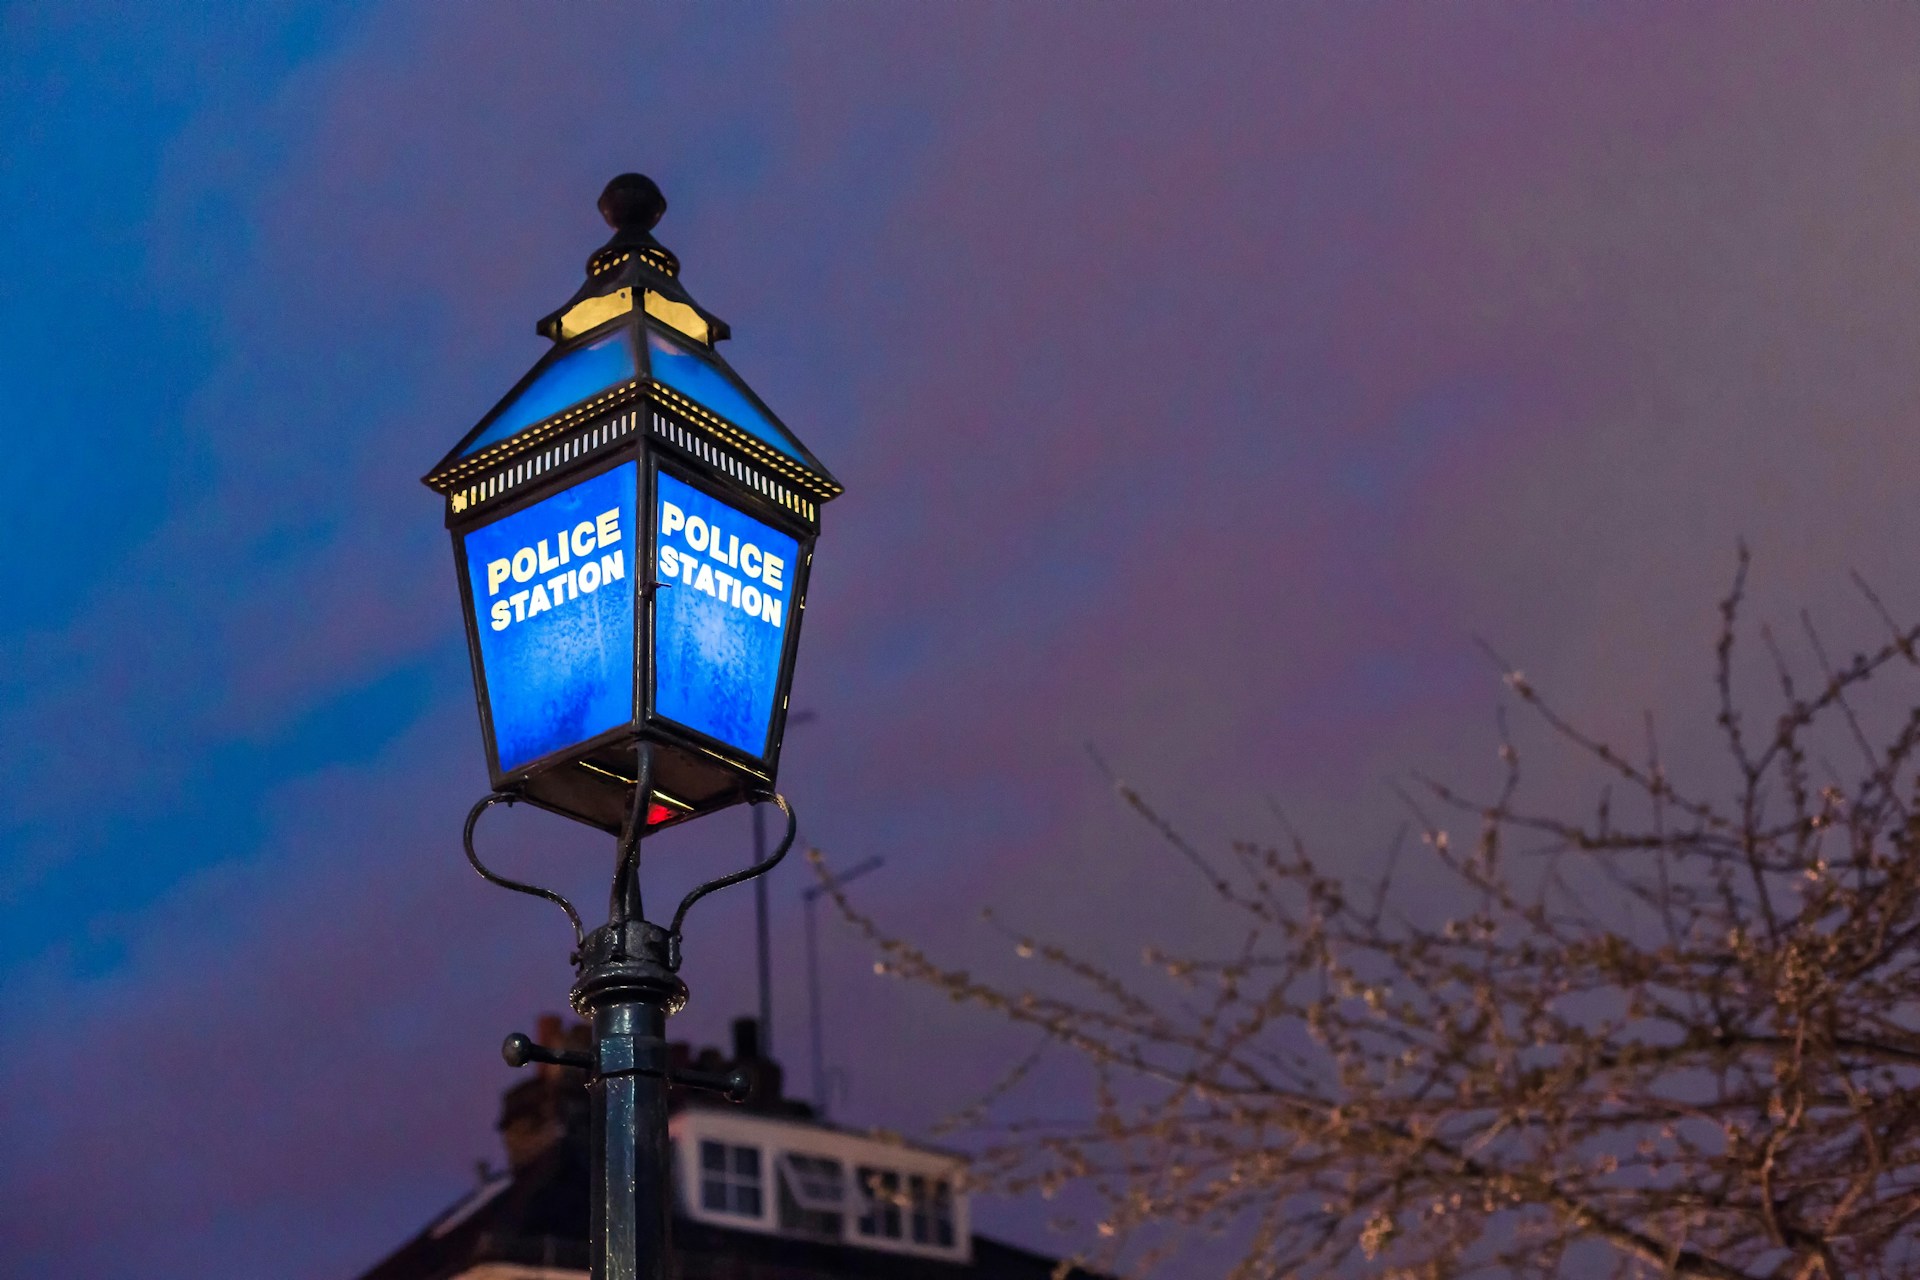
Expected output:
(633, 530)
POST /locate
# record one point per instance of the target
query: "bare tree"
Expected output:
(1708, 1069)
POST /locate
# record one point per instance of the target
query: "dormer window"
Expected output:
(802, 1181)
(730, 1179)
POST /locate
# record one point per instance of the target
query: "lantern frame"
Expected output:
(648, 422)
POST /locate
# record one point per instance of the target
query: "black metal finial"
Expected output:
(632, 203)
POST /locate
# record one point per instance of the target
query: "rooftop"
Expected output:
(765, 1190)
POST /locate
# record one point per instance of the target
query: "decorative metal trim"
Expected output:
(531, 437)
(817, 488)
(761, 453)
(505, 481)
(686, 436)
(608, 259)
(668, 429)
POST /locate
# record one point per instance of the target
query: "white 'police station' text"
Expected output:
(744, 558)
(585, 577)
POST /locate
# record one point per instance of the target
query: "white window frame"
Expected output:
(729, 1178)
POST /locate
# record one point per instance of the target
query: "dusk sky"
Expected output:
(1203, 378)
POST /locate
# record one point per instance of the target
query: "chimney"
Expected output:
(768, 1091)
(542, 1111)
(746, 1041)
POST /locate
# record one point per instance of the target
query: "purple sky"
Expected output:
(1203, 379)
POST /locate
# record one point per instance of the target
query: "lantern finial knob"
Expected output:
(632, 203)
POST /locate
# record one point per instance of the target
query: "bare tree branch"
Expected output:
(1681, 1031)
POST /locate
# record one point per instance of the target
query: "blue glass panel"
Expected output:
(700, 382)
(720, 620)
(553, 605)
(583, 372)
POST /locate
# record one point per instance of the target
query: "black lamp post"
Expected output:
(633, 530)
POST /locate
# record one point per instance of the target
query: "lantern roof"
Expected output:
(630, 330)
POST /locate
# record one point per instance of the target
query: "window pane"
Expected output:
(746, 1200)
(717, 656)
(821, 1178)
(746, 1162)
(803, 1210)
(887, 1192)
(713, 1195)
(814, 1182)
(922, 1222)
(868, 1188)
(713, 1156)
(942, 1214)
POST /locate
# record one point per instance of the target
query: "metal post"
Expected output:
(760, 931)
(626, 990)
(627, 998)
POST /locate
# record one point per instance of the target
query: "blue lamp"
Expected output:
(633, 530)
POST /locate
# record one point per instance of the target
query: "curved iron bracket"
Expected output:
(738, 877)
(534, 890)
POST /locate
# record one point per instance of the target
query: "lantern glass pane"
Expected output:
(720, 621)
(578, 375)
(678, 367)
(553, 607)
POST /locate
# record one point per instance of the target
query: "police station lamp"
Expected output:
(633, 530)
